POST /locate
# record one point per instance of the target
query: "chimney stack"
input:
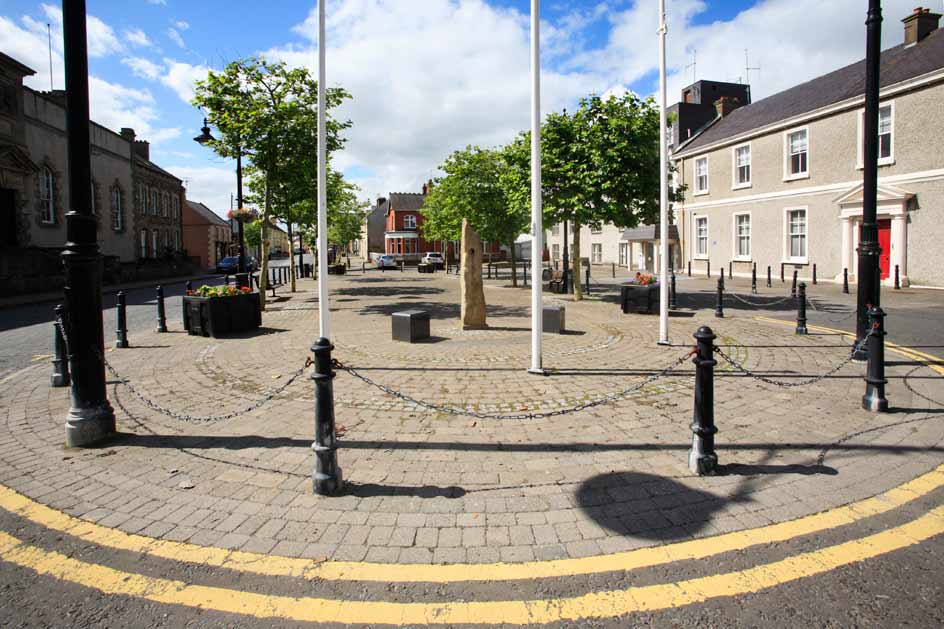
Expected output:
(920, 24)
(424, 189)
(127, 133)
(725, 105)
(142, 148)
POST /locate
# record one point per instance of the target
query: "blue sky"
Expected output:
(428, 76)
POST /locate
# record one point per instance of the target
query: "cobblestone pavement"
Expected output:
(431, 488)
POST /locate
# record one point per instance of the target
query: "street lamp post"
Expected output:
(869, 250)
(91, 418)
(203, 139)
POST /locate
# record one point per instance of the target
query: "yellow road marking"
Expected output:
(37, 357)
(922, 357)
(375, 572)
(593, 605)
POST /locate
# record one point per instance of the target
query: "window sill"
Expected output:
(741, 186)
(881, 162)
(48, 223)
(700, 257)
(797, 177)
(796, 261)
(742, 259)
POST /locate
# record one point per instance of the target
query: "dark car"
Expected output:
(230, 265)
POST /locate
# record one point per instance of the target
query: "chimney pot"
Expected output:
(919, 24)
(725, 105)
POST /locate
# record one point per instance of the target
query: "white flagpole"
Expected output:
(322, 182)
(537, 219)
(663, 191)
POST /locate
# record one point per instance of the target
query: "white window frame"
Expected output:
(623, 253)
(787, 175)
(735, 185)
(695, 237)
(47, 195)
(735, 240)
(117, 207)
(555, 229)
(596, 230)
(700, 191)
(409, 221)
(787, 258)
(155, 241)
(860, 148)
(596, 253)
(555, 251)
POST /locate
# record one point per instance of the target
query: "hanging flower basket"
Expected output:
(243, 215)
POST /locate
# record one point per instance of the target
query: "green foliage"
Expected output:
(220, 291)
(252, 233)
(472, 189)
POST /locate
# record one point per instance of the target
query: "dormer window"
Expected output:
(409, 222)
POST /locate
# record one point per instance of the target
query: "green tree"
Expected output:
(268, 112)
(472, 189)
(600, 164)
(252, 233)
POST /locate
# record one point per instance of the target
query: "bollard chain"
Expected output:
(757, 304)
(780, 383)
(452, 410)
(183, 416)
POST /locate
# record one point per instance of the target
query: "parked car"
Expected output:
(434, 258)
(386, 261)
(230, 265)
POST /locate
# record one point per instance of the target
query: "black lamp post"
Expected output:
(869, 250)
(91, 418)
(202, 139)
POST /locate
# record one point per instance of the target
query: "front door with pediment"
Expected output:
(7, 218)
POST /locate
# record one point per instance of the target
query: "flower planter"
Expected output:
(639, 298)
(219, 316)
(424, 267)
(337, 269)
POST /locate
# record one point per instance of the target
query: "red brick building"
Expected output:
(403, 234)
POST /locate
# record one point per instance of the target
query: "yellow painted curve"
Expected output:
(594, 605)
(429, 573)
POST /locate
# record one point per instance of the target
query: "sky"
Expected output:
(427, 76)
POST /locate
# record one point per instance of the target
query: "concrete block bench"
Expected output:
(410, 326)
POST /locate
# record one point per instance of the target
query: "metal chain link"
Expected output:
(831, 320)
(183, 416)
(757, 304)
(779, 383)
(452, 410)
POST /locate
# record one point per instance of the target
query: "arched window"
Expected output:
(154, 236)
(154, 201)
(117, 210)
(176, 240)
(144, 243)
(164, 204)
(47, 195)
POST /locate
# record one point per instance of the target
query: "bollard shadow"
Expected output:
(442, 310)
(387, 291)
(373, 490)
(375, 280)
(136, 346)
(251, 334)
(741, 469)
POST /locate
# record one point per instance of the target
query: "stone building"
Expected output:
(158, 199)
(779, 181)
(207, 238)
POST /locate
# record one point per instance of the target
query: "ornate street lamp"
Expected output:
(202, 140)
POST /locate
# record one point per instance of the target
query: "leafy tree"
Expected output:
(472, 189)
(600, 164)
(268, 113)
(252, 233)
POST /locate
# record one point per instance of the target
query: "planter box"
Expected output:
(639, 299)
(219, 316)
(426, 268)
(336, 269)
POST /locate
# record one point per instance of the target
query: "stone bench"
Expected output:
(553, 318)
(410, 326)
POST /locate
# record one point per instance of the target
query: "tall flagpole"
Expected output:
(322, 182)
(663, 191)
(537, 219)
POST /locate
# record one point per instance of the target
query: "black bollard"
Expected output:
(524, 274)
(122, 330)
(782, 280)
(60, 361)
(161, 316)
(814, 275)
(702, 459)
(489, 267)
(754, 280)
(845, 281)
(721, 276)
(326, 477)
(383, 267)
(586, 283)
(730, 270)
(614, 269)
(348, 263)
(897, 279)
(673, 297)
(793, 289)
(769, 283)
(801, 309)
(708, 271)
(363, 267)
(689, 268)
(719, 305)
(874, 399)
(402, 265)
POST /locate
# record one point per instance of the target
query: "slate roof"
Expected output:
(149, 164)
(208, 215)
(897, 64)
(405, 201)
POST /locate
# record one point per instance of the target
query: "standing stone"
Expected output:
(472, 292)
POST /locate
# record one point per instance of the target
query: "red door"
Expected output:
(885, 242)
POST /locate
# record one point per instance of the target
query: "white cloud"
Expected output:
(160, 2)
(176, 38)
(210, 185)
(115, 106)
(181, 77)
(137, 37)
(143, 68)
(102, 40)
(181, 25)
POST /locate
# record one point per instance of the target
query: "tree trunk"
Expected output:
(514, 267)
(470, 282)
(575, 257)
(264, 249)
(291, 256)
